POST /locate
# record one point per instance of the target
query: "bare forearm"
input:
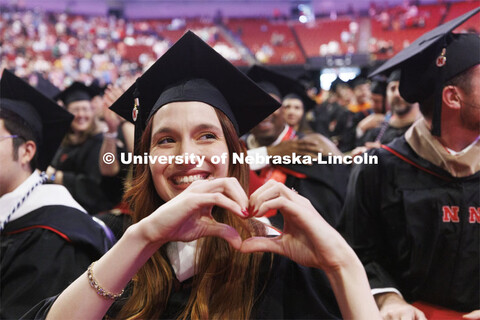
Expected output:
(108, 146)
(352, 291)
(113, 271)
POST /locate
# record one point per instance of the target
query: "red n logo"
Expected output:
(474, 215)
(450, 214)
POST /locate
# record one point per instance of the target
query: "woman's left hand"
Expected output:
(307, 238)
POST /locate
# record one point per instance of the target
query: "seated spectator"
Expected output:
(47, 238)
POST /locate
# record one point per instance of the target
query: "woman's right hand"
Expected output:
(188, 216)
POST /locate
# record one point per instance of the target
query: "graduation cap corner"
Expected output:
(434, 58)
(48, 121)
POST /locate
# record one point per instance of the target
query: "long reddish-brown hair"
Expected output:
(224, 284)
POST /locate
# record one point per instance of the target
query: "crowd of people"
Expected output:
(84, 237)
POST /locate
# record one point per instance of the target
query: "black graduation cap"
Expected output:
(192, 71)
(431, 60)
(96, 88)
(394, 76)
(279, 85)
(48, 120)
(46, 87)
(77, 91)
(306, 81)
(379, 87)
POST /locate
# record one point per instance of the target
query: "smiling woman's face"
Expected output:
(84, 116)
(180, 128)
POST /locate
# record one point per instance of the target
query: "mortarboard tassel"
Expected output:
(441, 61)
(135, 114)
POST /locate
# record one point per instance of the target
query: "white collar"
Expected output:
(465, 150)
(42, 195)
(182, 254)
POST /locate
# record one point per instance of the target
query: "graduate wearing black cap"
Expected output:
(98, 91)
(362, 92)
(402, 115)
(414, 218)
(359, 107)
(378, 88)
(75, 165)
(332, 119)
(379, 113)
(202, 107)
(294, 112)
(47, 239)
(282, 87)
(44, 85)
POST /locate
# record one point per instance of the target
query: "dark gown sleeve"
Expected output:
(40, 311)
(285, 290)
(291, 291)
(369, 136)
(324, 185)
(42, 253)
(56, 263)
(81, 174)
(360, 221)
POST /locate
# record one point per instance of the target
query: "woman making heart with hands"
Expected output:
(194, 250)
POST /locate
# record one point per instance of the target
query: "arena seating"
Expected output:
(272, 42)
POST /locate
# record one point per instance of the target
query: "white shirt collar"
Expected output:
(182, 254)
(9, 200)
(42, 195)
(465, 150)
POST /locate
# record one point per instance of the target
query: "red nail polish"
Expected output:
(245, 212)
(249, 210)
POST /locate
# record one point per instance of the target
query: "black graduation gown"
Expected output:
(337, 123)
(324, 185)
(43, 252)
(395, 219)
(81, 173)
(288, 291)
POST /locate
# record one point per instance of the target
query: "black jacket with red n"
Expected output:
(416, 228)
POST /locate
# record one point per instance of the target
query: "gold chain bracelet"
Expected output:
(98, 288)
